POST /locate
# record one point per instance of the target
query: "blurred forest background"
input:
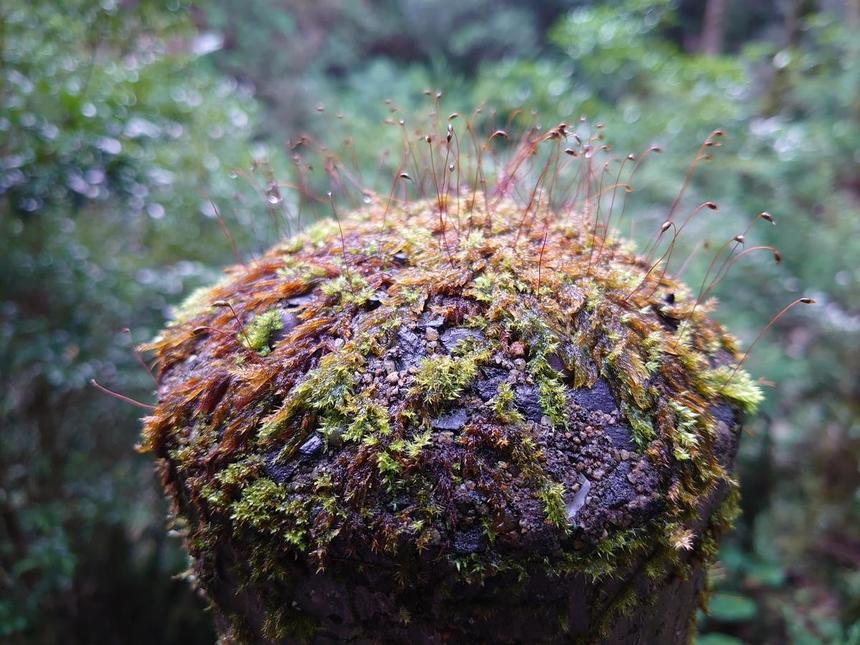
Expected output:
(121, 119)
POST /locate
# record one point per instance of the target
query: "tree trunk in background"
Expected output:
(713, 27)
(800, 10)
(852, 10)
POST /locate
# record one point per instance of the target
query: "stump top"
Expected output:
(471, 392)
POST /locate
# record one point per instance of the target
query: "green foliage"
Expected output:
(738, 387)
(640, 424)
(327, 389)
(731, 608)
(115, 134)
(349, 288)
(686, 438)
(368, 419)
(552, 401)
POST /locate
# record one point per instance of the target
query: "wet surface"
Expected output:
(451, 337)
(598, 397)
(453, 420)
(527, 401)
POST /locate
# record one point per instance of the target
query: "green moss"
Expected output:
(737, 387)
(348, 288)
(367, 420)
(218, 493)
(389, 468)
(258, 333)
(552, 400)
(640, 424)
(197, 303)
(327, 389)
(483, 287)
(441, 378)
(503, 405)
(322, 232)
(305, 272)
(552, 497)
(686, 437)
(240, 472)
(418, 443)
(267, 507)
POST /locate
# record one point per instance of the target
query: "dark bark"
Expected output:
(367, 609)
(364, 598)
(363, 603)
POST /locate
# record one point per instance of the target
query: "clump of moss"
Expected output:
(260, 330)
(483, 399)
(441, 378)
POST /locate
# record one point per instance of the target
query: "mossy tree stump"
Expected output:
(414, 431)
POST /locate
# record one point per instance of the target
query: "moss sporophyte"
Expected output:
(466, 384)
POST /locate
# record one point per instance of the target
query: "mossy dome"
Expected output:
(436, 396)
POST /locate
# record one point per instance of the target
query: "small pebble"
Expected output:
(311, 446)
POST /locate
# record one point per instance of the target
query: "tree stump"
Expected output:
(395, 432)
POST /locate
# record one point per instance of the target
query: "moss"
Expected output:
(503, 405)
(389, 469)
(552, 497)
(418, 443)
(305, 272)
(686, 437)
(552, 400)
(441, 378)
(640, 424)
(239, 472)
(737, 387)
(483, 287)
(348, 288)
(258, 333)
(367, 420)
(197, 303)
(287, 623)
(326, 389)
(368, 429)
(227, 480)
(268, 508)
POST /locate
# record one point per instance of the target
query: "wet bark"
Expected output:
(366, 600)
